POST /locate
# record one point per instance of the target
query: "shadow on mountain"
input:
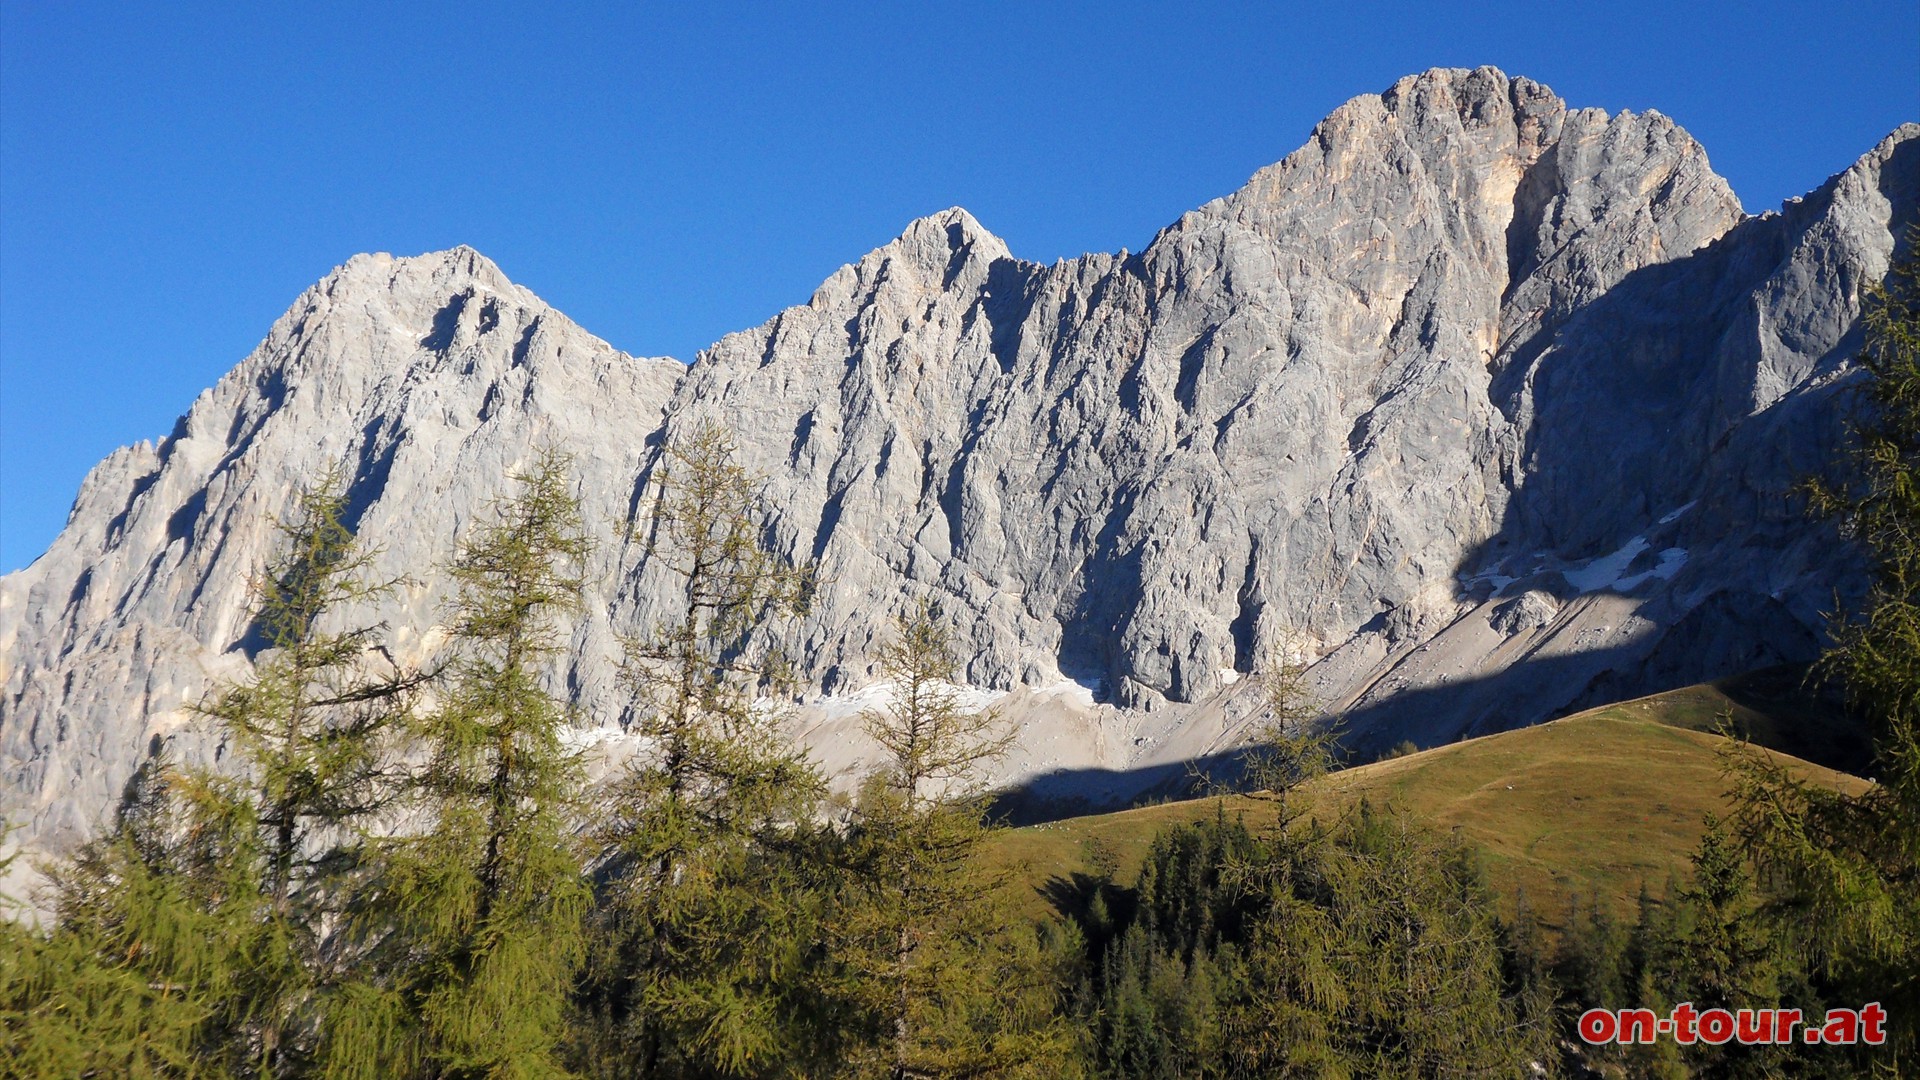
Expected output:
(1775, 707)
(1697, 381)
(1641, 404)
(1790, 710)
(1672, 423)
(1663, 414)
(1508, 700)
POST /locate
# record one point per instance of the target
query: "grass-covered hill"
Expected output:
(1595, 803)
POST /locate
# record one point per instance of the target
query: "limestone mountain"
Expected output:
(430, 378)
(1493, 405)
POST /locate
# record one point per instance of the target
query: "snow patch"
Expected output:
(1082, 692)
(1604, 571)
(1678, 513)
(1610, 571)
(878, 696)
(1497, 580)
(1671, 560)
(592, 740)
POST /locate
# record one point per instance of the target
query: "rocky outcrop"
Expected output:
(430, 379)
(1492, 404)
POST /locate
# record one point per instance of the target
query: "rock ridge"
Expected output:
(1491, 404)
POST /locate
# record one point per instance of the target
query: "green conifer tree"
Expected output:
(130, 982)
(1726, 951)
(1292, 744)
(474, 922)
(1161, 985)
(949, 981)
(1653, 963)
(1377, 955)
(704, 950)
(205, 907)
(312, 726)
(1592, 962)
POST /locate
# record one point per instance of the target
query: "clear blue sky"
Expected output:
(171, 176)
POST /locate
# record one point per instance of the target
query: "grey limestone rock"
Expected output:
(1493, 404)
(428, 379)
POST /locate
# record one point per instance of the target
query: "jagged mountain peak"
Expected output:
(428, 379)
(945, 294)
(1494, 168)
(951, 231)
(410, 287)
(410, 291)
(1489, 403)
(448, 270)
(1885, 175)
(932, 251)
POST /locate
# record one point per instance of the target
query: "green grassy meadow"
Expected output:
(1592, 804)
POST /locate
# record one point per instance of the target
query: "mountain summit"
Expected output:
(1492, 405)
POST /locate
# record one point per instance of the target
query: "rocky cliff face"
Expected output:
(1492, 403)
(429, 378)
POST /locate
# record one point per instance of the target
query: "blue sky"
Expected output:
(172, 176)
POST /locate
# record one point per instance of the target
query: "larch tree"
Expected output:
(313, 725)
(138, 975)
(473, 924)
(1377, 955)
(951, 982)
(703, 952)
(1291, 744)
(205, 909)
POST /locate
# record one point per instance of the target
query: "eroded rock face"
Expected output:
(1492, 403)
(431, 379)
